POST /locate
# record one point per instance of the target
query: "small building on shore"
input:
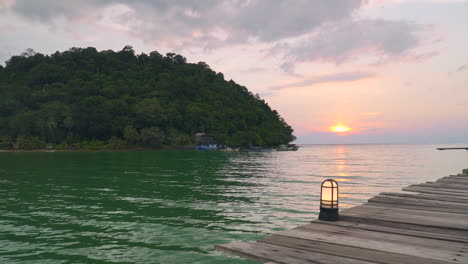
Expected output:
(205, 142)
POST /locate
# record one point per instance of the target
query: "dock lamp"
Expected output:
(329, 201)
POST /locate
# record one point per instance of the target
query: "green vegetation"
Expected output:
(82, 98)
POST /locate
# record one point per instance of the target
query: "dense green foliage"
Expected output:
(84, 98)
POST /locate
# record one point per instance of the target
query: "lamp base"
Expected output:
(329, 214)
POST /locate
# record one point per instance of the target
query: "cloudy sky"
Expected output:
(392, 71)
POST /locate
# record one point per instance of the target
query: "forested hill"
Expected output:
(84, 98)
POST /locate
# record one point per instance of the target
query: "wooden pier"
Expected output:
(425, 224)
(451, 148)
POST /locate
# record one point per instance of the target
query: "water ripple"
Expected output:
(172, 206)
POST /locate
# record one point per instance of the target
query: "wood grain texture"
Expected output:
(425, 224)
(414, 247)
(348, 251)
(429, 189)
(451, 186)
(402, 230)
(426, 218)
(417, 207)
(436, 197)
(419, 202)
(404, 240)
(283, 255)
(404, 226)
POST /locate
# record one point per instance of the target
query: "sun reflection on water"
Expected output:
(190, 200)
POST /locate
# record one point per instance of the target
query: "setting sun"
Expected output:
(339, 128)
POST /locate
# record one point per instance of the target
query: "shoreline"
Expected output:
(87, 150)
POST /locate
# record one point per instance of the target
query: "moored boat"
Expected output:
(284, 147)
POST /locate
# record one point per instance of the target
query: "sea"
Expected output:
(172, 206)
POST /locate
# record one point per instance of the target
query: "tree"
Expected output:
(30, 142)
(152, 136)
(68, 124)
(116, 143)
(149, 112)
(131, 135)
(6, 142)
(83, 97)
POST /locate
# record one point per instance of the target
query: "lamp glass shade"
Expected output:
(329, 194)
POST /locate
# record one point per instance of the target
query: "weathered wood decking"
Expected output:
(450, 148)
(425, 224)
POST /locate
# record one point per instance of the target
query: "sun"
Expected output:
(339, 128)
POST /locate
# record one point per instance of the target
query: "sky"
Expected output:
(383, 71)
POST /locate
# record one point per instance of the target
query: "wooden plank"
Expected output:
(436, 219)
(446, 179)
(463, 180)
(385, 222)
(348, 251)
(389, 210)
(459, 182)
(402, 230)
(279, 254)
(449, 185)
(417, 207)
(451, 148)
(418, 202)
(428, 224)
(452, 187)
(370, 235)
(437, 197)
(443, 185)
(453, 179)
(438, 191)
(382, 245)
(461, 177)
(442, 196)
(431, 189)
(458, 176)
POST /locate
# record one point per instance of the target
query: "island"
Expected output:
(88, 99)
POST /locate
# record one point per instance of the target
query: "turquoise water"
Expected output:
(172, 206)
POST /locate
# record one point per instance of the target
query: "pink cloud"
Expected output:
(327, 78)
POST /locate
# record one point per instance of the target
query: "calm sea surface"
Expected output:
(172, 206)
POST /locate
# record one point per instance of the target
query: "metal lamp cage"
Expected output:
(329, 188)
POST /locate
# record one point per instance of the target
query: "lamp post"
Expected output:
(329, 201)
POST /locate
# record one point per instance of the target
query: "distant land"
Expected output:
(85, 99)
